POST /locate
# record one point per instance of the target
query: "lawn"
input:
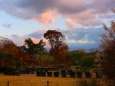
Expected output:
(38, 81)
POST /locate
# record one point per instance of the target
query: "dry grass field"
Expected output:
(38, 81)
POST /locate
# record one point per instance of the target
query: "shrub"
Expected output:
(98, 75)
(43, 73)
(63, 73)
(10, 71)
(87, 74)
(92, 82)
(49, 74)
(69, 71)
(38, 73)
(72, 74)
(87, 62)
(56, 74)
(79, 74)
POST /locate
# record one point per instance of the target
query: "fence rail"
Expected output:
(47, 83)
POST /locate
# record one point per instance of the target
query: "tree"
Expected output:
(8, 51)
(7, 45)
(54, 37)
(58, 47)
(87, 62)
(77, 56)
(45, 60)
(31, 48)
(6, 59)
(10, 54)
(68, 58)
(107, 47)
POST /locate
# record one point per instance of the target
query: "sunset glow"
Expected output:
(81, 21)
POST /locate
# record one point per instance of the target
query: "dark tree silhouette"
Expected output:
(54, 37)
(31, 48)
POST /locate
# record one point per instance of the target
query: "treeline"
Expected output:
(35, 54)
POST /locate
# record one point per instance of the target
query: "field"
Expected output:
(38, 81)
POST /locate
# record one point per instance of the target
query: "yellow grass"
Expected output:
(38, 81)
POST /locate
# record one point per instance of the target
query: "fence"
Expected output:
(47, 83)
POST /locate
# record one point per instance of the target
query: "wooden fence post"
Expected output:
(47, 83)
(8, 83)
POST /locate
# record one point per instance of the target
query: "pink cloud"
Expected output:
(19, 40)
(45, 18)
(72, 3)
(44, 11)
(83, 18)
(36, 40)
(70, 23)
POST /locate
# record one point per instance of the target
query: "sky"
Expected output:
(81, 21)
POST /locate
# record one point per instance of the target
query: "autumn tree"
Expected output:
(58, 47)
(8, 51)
(10, 54)
(7, 45)
(68, 58)
(5, 59)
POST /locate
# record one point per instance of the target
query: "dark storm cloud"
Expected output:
(37, 5)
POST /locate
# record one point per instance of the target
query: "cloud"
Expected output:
(45, 11)
(38, 6)
(8, 26)
(87, 13)
(82, 41)
(19, 40)
(36, 40)
(46, 18)
(36, 34)
(70, 23)
(85, 41)
(80, 37)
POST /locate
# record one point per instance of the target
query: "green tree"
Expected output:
(45, 60)
(77, 56)
(31, 48)
(87, 62)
